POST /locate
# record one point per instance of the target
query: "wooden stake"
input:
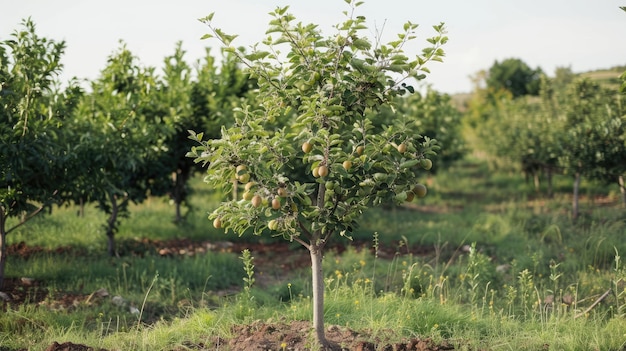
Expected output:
(593, 304)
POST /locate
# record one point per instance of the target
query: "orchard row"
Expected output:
(574, 126)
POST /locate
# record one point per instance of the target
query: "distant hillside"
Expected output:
(609, 77)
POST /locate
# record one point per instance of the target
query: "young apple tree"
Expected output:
(594, 131)
(120, 138)
(313, 177)
(34, 152)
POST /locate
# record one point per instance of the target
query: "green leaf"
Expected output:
(397, 68)
(280, 11)
(257, 55)
(362, 44)
(401, 197)
(208, 18)
(409, 164)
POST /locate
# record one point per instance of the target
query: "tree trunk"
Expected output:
(111, 225)
(318, 294)
(536, 181)
(622, 189)
(81, 208)
(526, 177)
(178, 193)
(178, 217)
(3, 246)
(316, 249)
(549, 181)
(575, 197)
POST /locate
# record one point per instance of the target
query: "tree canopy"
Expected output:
(514, 76)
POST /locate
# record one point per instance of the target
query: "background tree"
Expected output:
(218, 90)
(33, 153)
(515, 76)
(204, 103)
(486, 111)
(174, 99)
(527, 134)
(594, 128)
(546, 131)
(563, 76)
(333, 85)
(121, 138)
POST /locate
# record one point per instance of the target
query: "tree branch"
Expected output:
(33, 214)
(301, 242)
(307, 233)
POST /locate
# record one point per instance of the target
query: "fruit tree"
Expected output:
(120, 139)
(312, 179)
(34, 153)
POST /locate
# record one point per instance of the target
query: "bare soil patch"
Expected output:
(296, 336)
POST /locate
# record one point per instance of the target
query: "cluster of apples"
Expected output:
(419, 190)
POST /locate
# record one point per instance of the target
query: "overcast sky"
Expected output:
(581, 34)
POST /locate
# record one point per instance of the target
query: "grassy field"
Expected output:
(483, 262)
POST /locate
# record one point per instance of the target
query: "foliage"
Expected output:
(525, 132)
(33, 152)
(346, 163)
(515, 76)
(595, 130)
(173, 108)
(217, 91)
(120, 138)
(331, 116)
(576, 129)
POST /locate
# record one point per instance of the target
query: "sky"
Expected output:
(583, 35)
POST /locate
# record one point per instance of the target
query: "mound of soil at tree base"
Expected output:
(294, 336)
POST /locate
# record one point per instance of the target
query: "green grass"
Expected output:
(496, 252)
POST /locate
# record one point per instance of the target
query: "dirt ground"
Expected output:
(289, 337)
(294, 336)
(264, 336)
